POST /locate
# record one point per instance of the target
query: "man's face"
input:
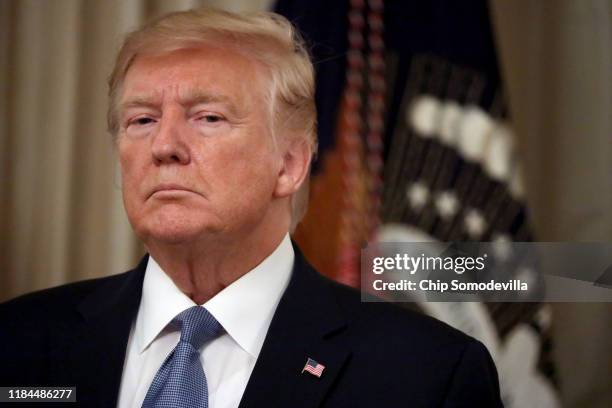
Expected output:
(197, 158)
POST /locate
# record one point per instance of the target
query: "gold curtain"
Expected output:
(61, 214)
(556, 57)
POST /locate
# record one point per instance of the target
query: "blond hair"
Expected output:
(264, 36)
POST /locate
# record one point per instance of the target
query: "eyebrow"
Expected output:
(194, 96)
(139, 101)
(188, 98)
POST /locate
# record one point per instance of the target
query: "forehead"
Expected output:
(194, 72)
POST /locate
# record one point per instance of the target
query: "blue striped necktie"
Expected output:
(180, 381)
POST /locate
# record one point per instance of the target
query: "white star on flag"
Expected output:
(417, 194)
(447, 204)
(475, 223)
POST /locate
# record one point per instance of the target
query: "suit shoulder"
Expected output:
(55, 299)
(396, 320)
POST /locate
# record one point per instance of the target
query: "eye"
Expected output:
(141, 121)
(210, 118)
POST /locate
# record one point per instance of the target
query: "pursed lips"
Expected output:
(169, 187)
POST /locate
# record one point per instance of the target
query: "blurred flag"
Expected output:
(416, 145)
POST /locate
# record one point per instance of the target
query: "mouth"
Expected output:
(170, 189)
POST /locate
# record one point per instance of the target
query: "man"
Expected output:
(213, 119)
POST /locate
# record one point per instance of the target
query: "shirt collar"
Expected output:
(244, 308)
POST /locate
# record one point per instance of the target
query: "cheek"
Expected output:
(131, 176)
(126, 175)
(241, 170)
(253, 164)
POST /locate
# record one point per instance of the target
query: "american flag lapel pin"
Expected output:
(313, 368)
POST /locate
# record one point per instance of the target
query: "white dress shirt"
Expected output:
(244, 309)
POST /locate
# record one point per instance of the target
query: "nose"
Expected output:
(169, 144)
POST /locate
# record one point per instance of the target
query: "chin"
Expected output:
(174, 236)
(171, 237)
(174, 224)
(170, 232)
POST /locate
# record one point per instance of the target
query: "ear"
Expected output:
(294, 167)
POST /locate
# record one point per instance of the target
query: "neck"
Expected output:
(204, 268)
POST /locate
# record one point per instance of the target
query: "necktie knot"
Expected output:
(180, 381)
(197, 326)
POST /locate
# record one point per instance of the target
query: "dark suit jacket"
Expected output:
(375, 354)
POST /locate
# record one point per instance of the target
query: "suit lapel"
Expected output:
(307, 324)
(97, 355)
